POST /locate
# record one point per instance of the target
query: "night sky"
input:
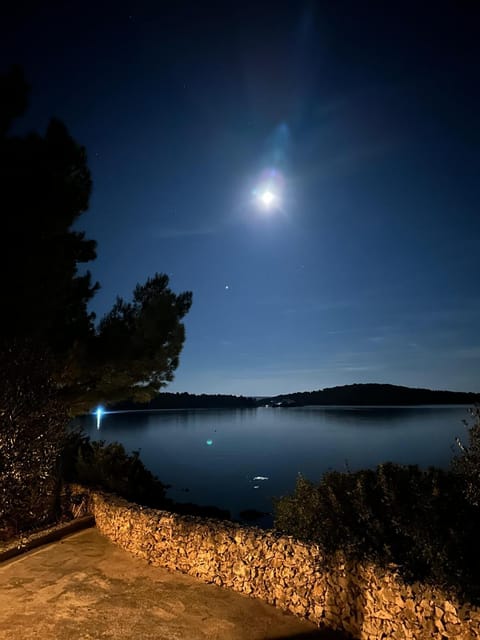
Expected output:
(360, 119)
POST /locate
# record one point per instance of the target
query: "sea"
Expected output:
(241, 459)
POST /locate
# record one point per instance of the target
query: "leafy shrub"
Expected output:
(418, 520)
(31, 437)
(109, 467)
(467, 464)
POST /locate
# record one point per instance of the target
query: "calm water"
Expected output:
(213, 456)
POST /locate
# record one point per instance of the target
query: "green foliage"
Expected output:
(110, 468)
(395, 514)
(467, 465)
(135, 350)
(31, 437)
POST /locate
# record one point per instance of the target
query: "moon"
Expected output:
(268, 198)
(267, 195)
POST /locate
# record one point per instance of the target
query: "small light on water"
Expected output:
(209, 442)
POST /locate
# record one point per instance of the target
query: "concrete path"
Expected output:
(84, 587)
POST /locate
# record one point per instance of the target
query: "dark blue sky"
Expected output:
(367, 267)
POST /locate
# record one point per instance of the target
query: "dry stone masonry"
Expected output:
(368, 603)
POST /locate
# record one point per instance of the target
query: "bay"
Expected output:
(241, 459)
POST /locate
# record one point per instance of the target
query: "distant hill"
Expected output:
(373, 394)
(188, 401)
(352, 394)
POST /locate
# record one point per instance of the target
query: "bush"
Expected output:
(109, 467)
(31, 437)
(467, 464)
(418, 520)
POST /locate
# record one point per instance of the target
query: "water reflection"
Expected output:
(222, 456)
(380, 415)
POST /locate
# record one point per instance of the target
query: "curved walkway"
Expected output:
(83, 587)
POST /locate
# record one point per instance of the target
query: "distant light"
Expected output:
(99, 411)
(209, 442)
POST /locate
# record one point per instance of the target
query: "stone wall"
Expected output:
(362, 600)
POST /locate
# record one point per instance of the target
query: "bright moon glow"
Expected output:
(268, 194)
(267, 198)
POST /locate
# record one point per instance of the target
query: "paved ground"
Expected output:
(84, 587)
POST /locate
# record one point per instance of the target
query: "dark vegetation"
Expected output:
(466, 465)
(55, 361)
(353, 394)
(425, 521)
(30, 439)
(373, 395)
(46, 184)
(110, 468)
(189, 401)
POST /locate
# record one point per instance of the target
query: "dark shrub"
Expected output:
(31, 437)
(467, 464)
(418, 520)
(109, 467)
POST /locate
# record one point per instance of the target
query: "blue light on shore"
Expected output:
(99, 411)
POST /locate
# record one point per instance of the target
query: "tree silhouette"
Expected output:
(135, 350)
(54, 360)
(45, 186)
